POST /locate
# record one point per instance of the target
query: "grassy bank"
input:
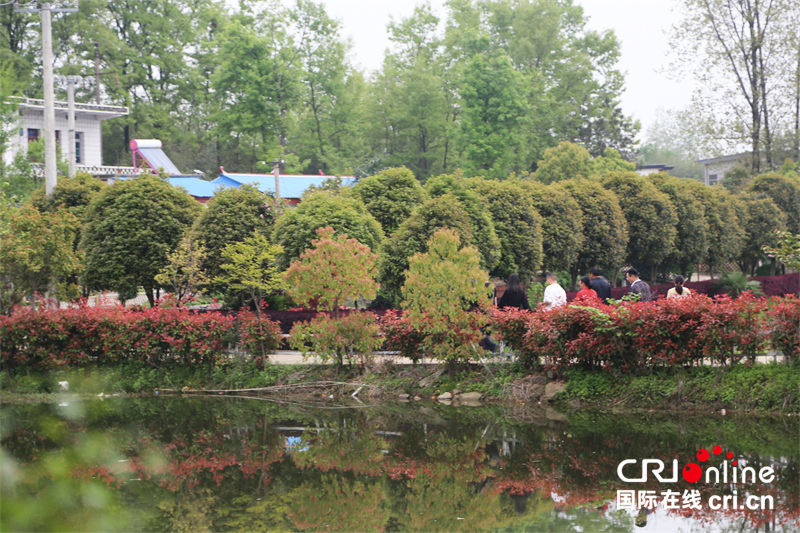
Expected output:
(771, 387)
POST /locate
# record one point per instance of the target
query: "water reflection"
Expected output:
(214, 464)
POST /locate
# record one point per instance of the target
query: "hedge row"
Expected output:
(44, 339)
(678, 331)
(629, 337)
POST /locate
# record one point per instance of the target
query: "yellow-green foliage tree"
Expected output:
(36, 254)
(250, 266)
(183, 273)
(443, 288)
(563, 162)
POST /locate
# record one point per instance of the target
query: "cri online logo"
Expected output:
(693, 472)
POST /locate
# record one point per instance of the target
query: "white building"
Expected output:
(714, 169)
(88, 133)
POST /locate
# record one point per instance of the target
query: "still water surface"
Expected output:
(238, 464)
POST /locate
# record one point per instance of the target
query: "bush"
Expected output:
(353, 337)
(400, 335)
(52, 338)
(679, 331)
(784, 327)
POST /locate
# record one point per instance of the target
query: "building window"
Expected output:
(712, 179)
(78, 151)
(33, 135)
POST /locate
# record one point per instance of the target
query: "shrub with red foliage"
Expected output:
(783, 318)
(50, 338)
(665, 332)
(400, 335)
(510, 325)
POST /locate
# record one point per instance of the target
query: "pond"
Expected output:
(246, 464)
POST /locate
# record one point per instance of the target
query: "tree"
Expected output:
(562, 225)
(390, 196)
(518, 226)
(336, 270)
(611, 161)
(130, 227)
(740, 45)
(483, 231)
(73, 194)
(412, 237)
(296, 230)
(250, 266)
(494, 111)
(605, 229)
(787, 250)
(564, 162)
(231, 216)
(441, 287)
(691, 240)
(650, 215)
(762, 222)
(36, 254)
(725, 232)
(183, 273)
(785, 192)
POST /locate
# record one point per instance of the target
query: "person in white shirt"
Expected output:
(554, 295)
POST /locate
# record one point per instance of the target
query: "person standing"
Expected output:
(679, 291)
(638, 286)
(599, 284)
(586, 292)
(554, 294)
(514, 296)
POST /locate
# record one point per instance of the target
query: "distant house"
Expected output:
(714, 169)
(645, 170)
(292, 185)
(89, 120)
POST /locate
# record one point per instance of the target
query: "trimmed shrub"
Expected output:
(352, 337)
(400, 335)
(783, 319)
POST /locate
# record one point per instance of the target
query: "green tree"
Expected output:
(231, 216)
(787, 250)
(785, 192)
(518, 226)
(494, 111)
(483, 231)
(743, 46)
(650, 215)
(564, 162)
(37, 254)
(737, 178)
(562, 225)
(412, 237)
(611, 161)
(296, 229)
(725, 232)
(441, 287)
(336, 270)
(691, 240)
(390, 196)
(183, 273)
(250, 266)
(130, 227)
(605, 229)
(73, 194)
(762, 222)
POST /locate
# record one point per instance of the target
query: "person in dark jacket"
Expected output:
(599, 284)
(638, 286)
(514, 295)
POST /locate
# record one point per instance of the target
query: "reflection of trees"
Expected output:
(223, 466)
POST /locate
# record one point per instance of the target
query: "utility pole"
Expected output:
(276, 170)
(71, 124)
(50, 170)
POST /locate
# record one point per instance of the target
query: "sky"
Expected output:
(640, 25)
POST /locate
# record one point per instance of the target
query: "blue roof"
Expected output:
(292, 185)
(194, 186)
